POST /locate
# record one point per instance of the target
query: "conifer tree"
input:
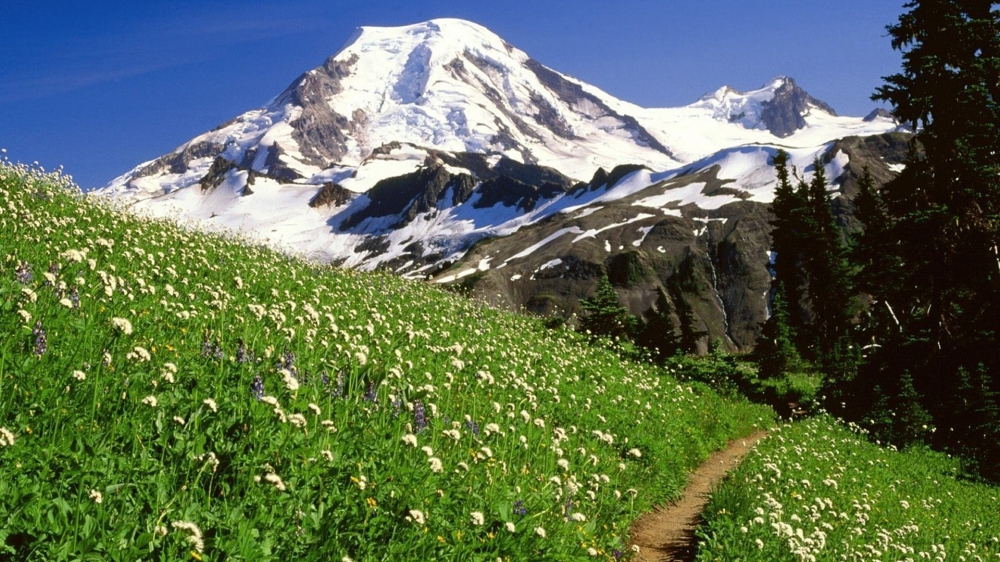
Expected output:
(658, 334)
(944, 207)
(775, 352)
(690, 336)
(604, 316)
(826, 267)
(788, 242)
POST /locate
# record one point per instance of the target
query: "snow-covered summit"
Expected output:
(779, 106)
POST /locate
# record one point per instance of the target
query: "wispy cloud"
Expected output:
(61, 83)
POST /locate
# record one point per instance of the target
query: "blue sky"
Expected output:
(99, 87)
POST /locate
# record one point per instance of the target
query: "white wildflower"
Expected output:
(96, 496)
(149, 401)
(435, 464)
(291, 383)
(417, 516)
(477, 518)
(194, 534)
(510, 526)
(79, 375)
(275, 480)
(211, 405)
(122, 324)
(410, 439)
(540, 531)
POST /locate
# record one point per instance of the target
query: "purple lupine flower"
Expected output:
(288, 362)
(419, 418)
(370, 393)
(519, 508)
(567, 509)
(54, 270)
(325, 378)
(23, 273)
(617, 553)
(257, 388)
(396, 405)
(241, 352)
(74, 296)
(472, 426)
(41, 343)
(211, 349)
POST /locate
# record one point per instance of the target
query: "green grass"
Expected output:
(818, 490)
(141, 439)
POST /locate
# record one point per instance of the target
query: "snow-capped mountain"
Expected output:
(412, 144)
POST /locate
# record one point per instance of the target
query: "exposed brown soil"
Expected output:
(667, 532)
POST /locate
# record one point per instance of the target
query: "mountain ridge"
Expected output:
(412, 145)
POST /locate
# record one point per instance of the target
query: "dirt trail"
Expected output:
(667, 532)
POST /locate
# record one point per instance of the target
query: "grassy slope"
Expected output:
(114, 454)
(816, 490)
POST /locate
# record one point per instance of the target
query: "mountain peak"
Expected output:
(778, 106)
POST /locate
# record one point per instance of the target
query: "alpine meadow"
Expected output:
(436, 300)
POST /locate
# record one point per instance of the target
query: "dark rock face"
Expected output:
(783, 114)
(177, 162)
(509, 192)
(875, 152)
(392, 196)
(549, 118)
(217, 173)
(532, 174)
(738, 247)
(320, 132)
(330, 195)
(277, 169)
(572, 94)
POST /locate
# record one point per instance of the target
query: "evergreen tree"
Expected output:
(775, 351)
(946, 202)
(871, 254)
(943, 232)
(911, 420)
(874, 264)
(690, 336)
(604, 316)
(827, 270)
(658, 334)
(789, 207)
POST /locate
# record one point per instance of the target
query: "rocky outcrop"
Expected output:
(783, 115)
(320, 132)
(330, 195)
(573, 95)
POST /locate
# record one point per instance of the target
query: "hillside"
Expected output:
(167, 394)
(817, 490)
